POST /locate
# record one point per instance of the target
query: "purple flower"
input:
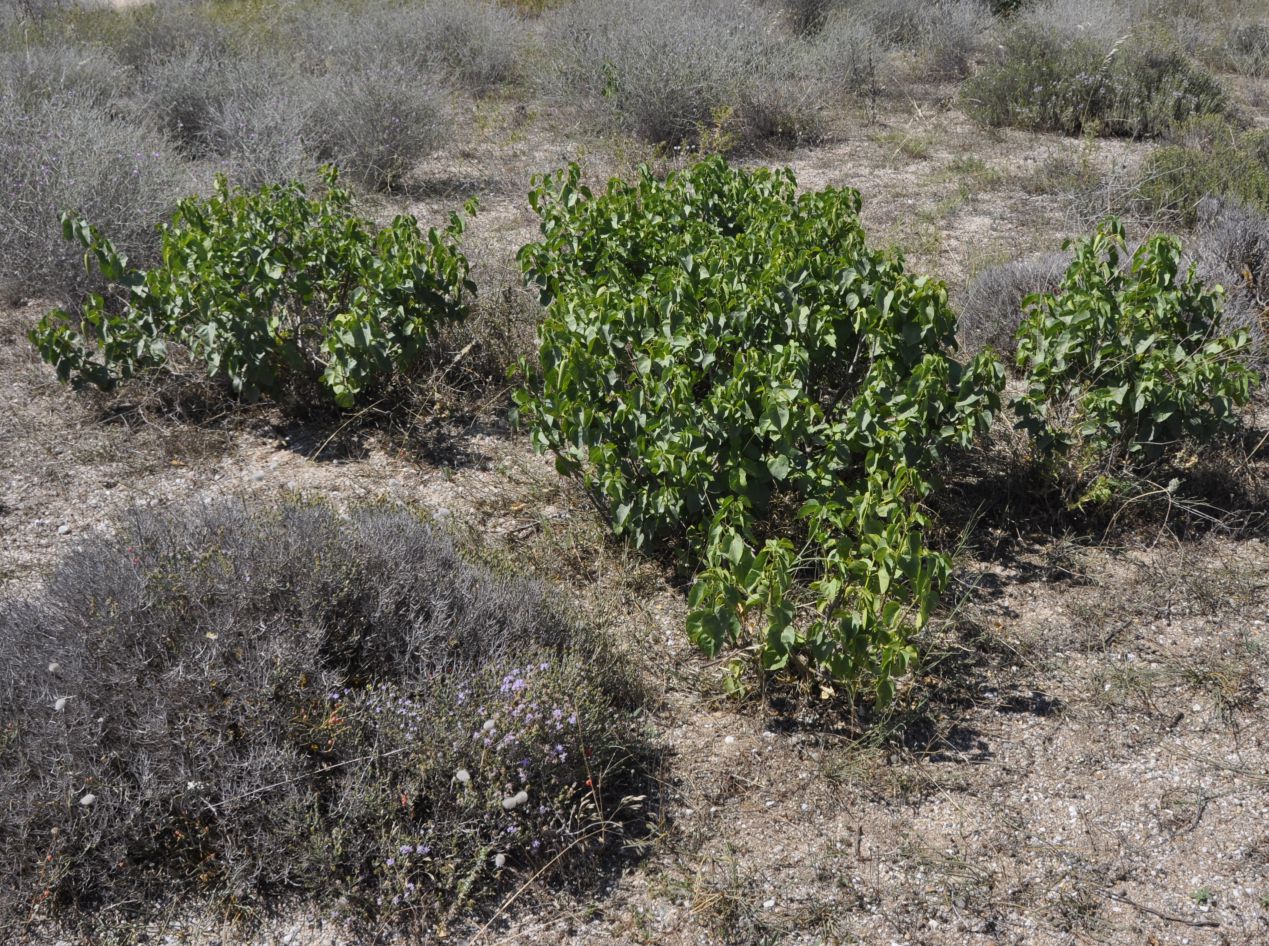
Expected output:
(390, 862)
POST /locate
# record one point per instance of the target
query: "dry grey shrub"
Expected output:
(255, 702)
(664, 70)
(374, 122)
(243, 115)
(943, 34)
(472, 45)
(36, 74)
(64, 155)
(1247, 49)
(847, 56)
(1231, 247)
(990, 306)
(809, 16)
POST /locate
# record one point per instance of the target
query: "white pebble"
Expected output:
(729, 739)
(54, 667)
(60, 703)
(88, 799)
(462, 776)
(500, 860)
(63, 529)
(516, 800)
(488, 726)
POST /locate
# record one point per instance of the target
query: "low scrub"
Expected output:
(1129, 363)
(1139, 84)
(1205, 159)
(243, 704)
(990, 306)
(1231, 249)
(66, 153)
(671, 71)
(374, 122)
(734, 374)
(270, 291)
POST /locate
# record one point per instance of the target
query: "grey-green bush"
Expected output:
(248, 703)
(64, 155)
(1201, 159)
(665, 69)
(990, 306)
(1138, 84)
(374, 122)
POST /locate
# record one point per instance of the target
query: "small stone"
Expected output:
(88, 800)
(516, 800)
(462, 776)
(500, 860)
(54, 667)
(729, 740)
(60, 703)
(63, 529)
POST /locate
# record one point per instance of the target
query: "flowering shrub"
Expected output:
(244, 703)
(1139, 87)
(1123, 364)
(266, 289)
(731, 371)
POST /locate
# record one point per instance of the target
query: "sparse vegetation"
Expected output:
(237, 677)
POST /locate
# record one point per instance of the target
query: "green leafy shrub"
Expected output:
(1125, 363)
(731, 371)
(1141, 86)
(267, 289)
(247, 703)
(1206, 158)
